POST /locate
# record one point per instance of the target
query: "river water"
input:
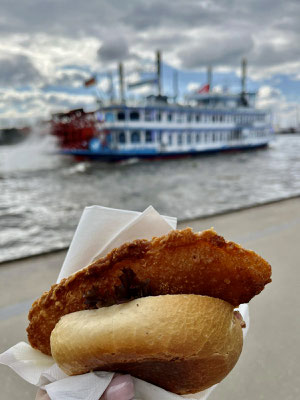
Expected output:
(42, 194)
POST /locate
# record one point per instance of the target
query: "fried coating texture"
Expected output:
(181, 262)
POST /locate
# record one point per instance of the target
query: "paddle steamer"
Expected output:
(205, 122)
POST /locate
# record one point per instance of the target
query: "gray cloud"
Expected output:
(268, 55)
(114, 49)
(226, 50)
(68, 78)
(153, 23)
(17, 70)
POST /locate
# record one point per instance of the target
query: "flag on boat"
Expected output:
(152, 81)
(204, 89)
(90, 82)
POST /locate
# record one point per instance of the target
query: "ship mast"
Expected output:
(244, 99)
(175, 85)
(158, 69)
(209, 75)
(111, 86)
(244, 76)
(121, 83)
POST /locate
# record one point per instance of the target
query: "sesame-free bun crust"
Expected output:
(182, 343)
(181, 262)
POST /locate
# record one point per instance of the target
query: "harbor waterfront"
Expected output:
(273, 231)
(43, 194)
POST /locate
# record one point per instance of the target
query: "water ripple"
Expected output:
(41, 203)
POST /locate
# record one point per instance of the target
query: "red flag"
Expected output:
(204, 89)
(90, 82)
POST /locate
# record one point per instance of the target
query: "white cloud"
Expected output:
(192, 86)
(17, 107)
(284, 113)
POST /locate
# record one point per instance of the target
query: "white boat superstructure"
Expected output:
(205, 121)
(159, 127)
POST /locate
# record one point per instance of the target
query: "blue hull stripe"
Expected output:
(151, 153)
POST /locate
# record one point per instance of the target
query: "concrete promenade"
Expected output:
(269, 366)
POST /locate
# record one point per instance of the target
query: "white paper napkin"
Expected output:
(100, 229)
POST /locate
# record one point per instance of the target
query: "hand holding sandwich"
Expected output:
(120, 388)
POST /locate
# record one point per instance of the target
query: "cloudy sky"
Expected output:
(49, 47)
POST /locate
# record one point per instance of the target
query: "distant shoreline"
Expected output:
(180, 221)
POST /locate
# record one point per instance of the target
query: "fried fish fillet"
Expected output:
(181, 262)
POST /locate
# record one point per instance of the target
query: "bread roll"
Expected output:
(182, 343)
(181, 262)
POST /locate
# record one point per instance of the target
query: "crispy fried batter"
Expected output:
(181, 262)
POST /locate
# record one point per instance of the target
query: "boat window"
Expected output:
(149, 115)
(197, 117)
(236, 135)
(170, 116)
(122, 138)
(158, 116)
(121, 116)
(170, 139)
(109, 117)
(198, 137)
(179, 138)
(188, 138)
(134, 115)
(135, 137)
(179, 117)
(189, 117)
(148, 136)
(213, 118)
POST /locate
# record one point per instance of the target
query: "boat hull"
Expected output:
(111, 156)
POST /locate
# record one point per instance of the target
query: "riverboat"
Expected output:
(206, 122)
